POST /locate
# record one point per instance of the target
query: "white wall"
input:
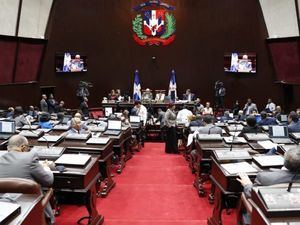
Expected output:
(8, 16)
(34, 18)
(280, 18)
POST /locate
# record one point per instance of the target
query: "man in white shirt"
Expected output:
(183, 115)
(270, 107)
(141, 111)
(207, 110)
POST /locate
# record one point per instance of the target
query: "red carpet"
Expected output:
(154, 189)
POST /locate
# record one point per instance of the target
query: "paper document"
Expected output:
(73, 159)
(269, 160)
(191, 138)
(240, 167)
(234, 139)
(227, 154)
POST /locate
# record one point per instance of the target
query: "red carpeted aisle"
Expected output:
(154, 189)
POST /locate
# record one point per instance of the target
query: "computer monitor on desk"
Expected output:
(108, 111)
(7, 129)
(114, 127)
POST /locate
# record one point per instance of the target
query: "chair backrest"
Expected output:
(19, 185)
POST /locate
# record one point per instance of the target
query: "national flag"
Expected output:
(67, 62)
(173, 86)
(137, 96)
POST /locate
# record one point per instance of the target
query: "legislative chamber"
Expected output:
(148, 112)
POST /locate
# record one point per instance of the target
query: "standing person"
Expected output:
(141, 111)
(43, 103)
(236, 108)
(171, 136)
(249, 107)
(270, 107)
(84, 107)
(52, 104)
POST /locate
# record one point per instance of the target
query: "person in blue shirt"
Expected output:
(10, 113)
(265, 120)
(44, 121)
(294, 123)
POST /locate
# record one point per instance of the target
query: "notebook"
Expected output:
(7, 129)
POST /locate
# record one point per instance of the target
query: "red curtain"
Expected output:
(7, 60)
(286, 59)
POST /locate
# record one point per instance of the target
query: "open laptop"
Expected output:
(7, 129)
(283, 118)
(135, 121)
(280, 135)
(114, 127)
(108, 111)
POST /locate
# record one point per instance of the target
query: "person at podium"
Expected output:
(147, 95)
(188, 96)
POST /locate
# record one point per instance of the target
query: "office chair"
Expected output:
(25, 186)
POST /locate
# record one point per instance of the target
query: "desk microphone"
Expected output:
(233, 137)
(292, 182)
(30, 130)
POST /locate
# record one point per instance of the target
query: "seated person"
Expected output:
(10, 113)
(241, 116)
(112, 95)
(236, 108)
(265, 120)
(270, 107)
(196, 121)
(226, 117)
(33, 112)
(294, 123)
(125, 117)
(266, 178)
(60, 108)
(44, 121)
(77, 125)
(189, 96)
(183, 115)
(20, 118)
(251, 126)
(19, 162)
(285, 175)
(207, 110)
(209, 127)
(160, 95)
(198, 106)
(147, 95)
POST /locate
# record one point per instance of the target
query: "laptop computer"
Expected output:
(98, 140)
(283, 118)
(114, 127)
(7, 129)
(280, 135)
(61, 127)
(135, 121)
(256, 137)
(108, 111)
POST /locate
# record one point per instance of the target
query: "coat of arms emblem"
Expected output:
(154, 24)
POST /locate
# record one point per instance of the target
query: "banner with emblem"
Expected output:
(154, 26)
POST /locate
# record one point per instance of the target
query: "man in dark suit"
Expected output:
(21, 163)
(44, 104)
(189, 96)
(266, 178)
(251, 126)
(294, 123)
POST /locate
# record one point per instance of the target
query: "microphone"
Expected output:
(233, 137)
(292, 182)
(47, 142)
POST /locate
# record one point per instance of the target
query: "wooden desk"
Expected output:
(258, 218)
(104, 153)
(82, 183)
(31, 210)
(203, 163)
(227, 191)
(121, 147)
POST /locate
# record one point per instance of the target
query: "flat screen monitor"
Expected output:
(108, 111)
(70, 62)
(240, 62)
(114, 125)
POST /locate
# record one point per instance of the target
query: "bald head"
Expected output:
(292, 159)
(17, 143)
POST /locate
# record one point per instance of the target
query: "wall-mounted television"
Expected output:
(69, 62)
(240, 62)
